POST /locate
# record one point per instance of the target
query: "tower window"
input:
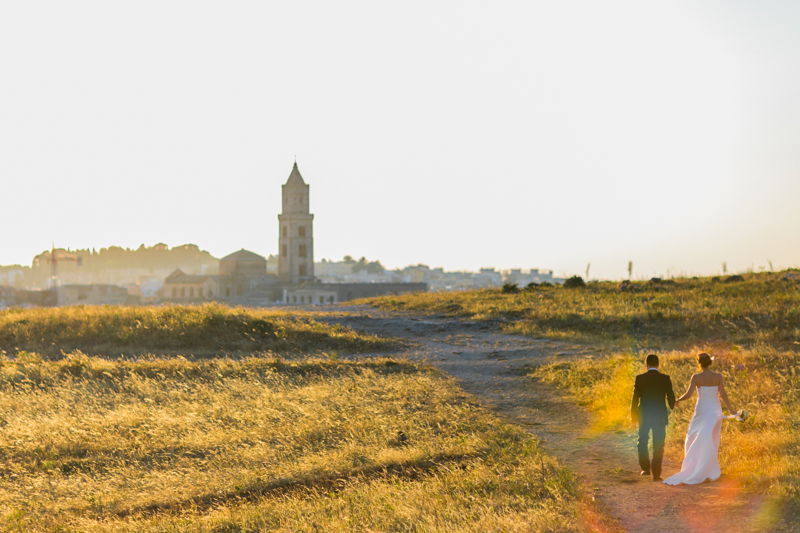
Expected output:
(302, 270)
(283, 250)
(301, 231)
(302, 250)
(285, 231)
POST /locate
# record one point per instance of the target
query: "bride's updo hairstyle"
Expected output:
(704, 360)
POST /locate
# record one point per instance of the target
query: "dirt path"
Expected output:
(492, 366)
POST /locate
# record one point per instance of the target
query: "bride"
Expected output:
(700, 461)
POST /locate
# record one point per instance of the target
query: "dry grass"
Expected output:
(762, 308)
(254, 444)
(196, 330)
(163, 442)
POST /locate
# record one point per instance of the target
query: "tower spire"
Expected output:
(295, 176)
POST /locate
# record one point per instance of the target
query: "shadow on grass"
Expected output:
(326, 483)
(29, 372)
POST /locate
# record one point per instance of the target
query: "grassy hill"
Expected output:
(189, 330)
(252, 443)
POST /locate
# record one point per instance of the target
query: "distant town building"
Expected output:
(12, 276)
(182, 287)
(296, 231)
(244, 264)
(329, 293)
(91, 295)
(309, 295)
(243, 272)
(10, 297)
(534, 275)
(332, 271)
(240, 273)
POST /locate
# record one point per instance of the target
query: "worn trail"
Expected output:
(493, 367)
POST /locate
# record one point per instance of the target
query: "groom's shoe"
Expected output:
(657, 478)
(644, 473)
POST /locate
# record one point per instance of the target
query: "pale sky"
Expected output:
(454, 133)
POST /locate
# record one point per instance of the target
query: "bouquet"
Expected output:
(740, 416)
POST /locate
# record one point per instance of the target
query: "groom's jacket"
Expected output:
(652, 391)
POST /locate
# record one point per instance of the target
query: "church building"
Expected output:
(296, 239)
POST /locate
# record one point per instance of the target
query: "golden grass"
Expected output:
(762, 308)
(763, 453)
(168, 444)
(181, 329)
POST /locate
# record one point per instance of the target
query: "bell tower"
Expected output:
(296, 238)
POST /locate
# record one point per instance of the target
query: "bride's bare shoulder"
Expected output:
(709, 377)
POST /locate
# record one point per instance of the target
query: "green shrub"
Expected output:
(510, 288)
(574, 282)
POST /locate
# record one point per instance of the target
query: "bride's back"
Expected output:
(708, 378)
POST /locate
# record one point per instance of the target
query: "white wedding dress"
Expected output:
(700, 462)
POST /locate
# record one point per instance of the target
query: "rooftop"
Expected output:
(243, 255)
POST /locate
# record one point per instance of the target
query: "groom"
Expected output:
(651, 392)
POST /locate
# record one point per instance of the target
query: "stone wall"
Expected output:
(353, 291)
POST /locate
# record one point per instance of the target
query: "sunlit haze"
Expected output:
(459, 134)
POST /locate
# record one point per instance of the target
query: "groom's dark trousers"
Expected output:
(652, 392)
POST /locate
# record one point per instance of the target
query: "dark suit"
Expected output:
(652, 391)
